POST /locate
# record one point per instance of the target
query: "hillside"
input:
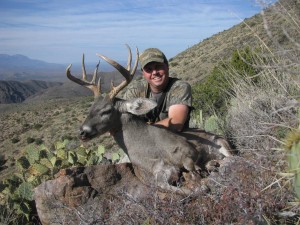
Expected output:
(196, 62)
(17, 91)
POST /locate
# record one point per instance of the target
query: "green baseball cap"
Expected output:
(152, 55)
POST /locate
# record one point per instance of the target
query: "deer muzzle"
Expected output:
(85, 133)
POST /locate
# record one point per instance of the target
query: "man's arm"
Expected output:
(177, 117)
(179, 104)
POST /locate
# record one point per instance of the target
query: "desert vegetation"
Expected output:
(253, 99)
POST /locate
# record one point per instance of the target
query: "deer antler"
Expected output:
(96, 87)
(125, 72)
(84, 82)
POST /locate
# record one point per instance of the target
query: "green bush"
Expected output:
(212, 94)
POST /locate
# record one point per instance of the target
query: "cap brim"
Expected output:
(144, 63)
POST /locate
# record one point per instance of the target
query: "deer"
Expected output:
(158, 155)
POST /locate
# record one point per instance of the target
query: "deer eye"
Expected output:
(106, 112)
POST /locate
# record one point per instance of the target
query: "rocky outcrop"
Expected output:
(91, 195)
(101, 194)
(112, 194)
(18, 91)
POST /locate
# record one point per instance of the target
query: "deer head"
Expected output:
(105, 114)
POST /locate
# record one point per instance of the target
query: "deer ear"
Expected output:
(139, 106)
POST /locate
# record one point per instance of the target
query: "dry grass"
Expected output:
(261, 114)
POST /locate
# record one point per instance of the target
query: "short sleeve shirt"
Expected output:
(176, 92)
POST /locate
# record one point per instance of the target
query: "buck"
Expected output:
(157, 154)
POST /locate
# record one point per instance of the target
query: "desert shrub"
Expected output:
(56, 113)
(2, 160)
(15, 140)
(37, 126)
(173, 63)
(38, 141)
(67, 109)
(26, 125)
(30, 140)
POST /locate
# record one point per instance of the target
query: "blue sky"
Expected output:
(60, 31)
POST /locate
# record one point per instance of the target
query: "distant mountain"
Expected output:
(14, 91)
(70, 89)
(20, 67)
(18, 91)
(20, 62)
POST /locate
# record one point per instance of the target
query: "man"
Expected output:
(173, 96)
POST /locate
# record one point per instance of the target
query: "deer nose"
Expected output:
(82, 133)
(85, 132)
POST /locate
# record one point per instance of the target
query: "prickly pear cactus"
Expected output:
(25, 191)
(212, 124)
(293, 157)
(40, 163)
(23, 163)
(33, 153)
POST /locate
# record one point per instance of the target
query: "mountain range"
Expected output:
(19, 67)
(23, 78)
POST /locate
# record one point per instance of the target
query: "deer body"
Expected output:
(157, 154)
(153, 150)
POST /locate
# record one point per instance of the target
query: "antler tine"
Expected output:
(135, 63)
(83, 68)
(120, 68)
(83, 82)
(95, 77)
(129, 58)
(95, 73)
(125, 72)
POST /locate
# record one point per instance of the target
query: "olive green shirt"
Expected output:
(176, 92)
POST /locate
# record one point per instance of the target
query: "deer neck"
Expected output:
(132, 126)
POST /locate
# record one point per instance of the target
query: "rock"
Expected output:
(112, 194)
(78, 192)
